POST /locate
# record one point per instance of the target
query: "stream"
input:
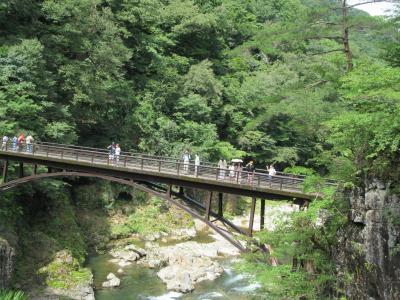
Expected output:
(140, 282)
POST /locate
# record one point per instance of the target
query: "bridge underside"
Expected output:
(160, 186)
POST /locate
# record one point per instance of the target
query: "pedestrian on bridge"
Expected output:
(221, 169)
(4, 144)
(14, 143)
(271, 171)
(250, 168)
(186, 159)
(112, 152)
(231, 172)
(20, 140)
(117, 154)
(196, 164)
(29, 142)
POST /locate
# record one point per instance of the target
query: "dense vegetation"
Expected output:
(290, 82)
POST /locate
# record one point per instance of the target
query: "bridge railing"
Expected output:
(166, 166)
(160, 157)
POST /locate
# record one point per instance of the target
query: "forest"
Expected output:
(312, 86)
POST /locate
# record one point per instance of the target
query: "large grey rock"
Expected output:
(184, 271)
(112, 281)
(370, 245)
(7, 261)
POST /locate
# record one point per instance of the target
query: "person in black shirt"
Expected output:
(250, 168)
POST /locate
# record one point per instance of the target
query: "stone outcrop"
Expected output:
(112, 281)
(7, 260)
(370, 247)
(185, 270)
(126, 256)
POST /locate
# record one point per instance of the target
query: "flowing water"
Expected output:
(139, 282)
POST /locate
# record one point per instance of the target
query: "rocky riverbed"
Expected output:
(180, 266)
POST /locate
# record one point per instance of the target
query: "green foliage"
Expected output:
(155, 216)
(12, 295)
(309, 236)
(64, 272)
(258, 79)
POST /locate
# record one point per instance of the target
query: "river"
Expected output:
(140, 282)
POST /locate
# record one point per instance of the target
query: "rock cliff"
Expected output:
(7, 257)
(369, 254)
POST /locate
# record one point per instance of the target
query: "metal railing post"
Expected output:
(141, 163)
(159, 166)
(125, 159)
(178, 167)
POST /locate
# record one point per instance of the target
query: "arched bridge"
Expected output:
(157, 175)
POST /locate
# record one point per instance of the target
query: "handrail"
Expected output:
(166, 158)
(160, 164)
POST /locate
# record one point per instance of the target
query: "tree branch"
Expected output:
(325, 37)
(326, 52)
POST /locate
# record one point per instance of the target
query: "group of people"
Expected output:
(232, 170)
(114, 153)
(17, 143)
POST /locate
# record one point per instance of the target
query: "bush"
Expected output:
(12, 295)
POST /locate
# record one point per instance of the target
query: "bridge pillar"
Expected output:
(181, 191)
(169, 191)
(21, 170)
(220, 205)
(262, 214)
(49, 170)
(34, 169)
(208, 206)
(5, 171)
(252, 211)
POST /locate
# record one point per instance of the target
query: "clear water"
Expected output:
(139, 282)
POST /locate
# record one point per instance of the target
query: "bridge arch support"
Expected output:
(165, 195)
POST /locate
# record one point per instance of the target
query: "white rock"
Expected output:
(112, 281)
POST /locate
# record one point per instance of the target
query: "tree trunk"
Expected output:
(346, 44)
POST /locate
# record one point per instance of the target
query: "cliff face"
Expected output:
(7, 256)
(369, 254)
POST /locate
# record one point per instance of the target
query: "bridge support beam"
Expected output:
(169, 191)
(208, 206)
(21, 170)
(5, 171)
(252, 211)
(181, 190)
(220, 205)
(34, 169)
(49, 170)
(262, 214)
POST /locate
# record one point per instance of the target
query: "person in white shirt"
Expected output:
(117, 153)
(271, 171)
(196, 164)
(4, 144)
(29, 141)
(231, 172)
(186, 159)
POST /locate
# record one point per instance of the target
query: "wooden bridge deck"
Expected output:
(141, 167)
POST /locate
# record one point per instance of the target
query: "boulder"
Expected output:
(112, 281)
(185, 270)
